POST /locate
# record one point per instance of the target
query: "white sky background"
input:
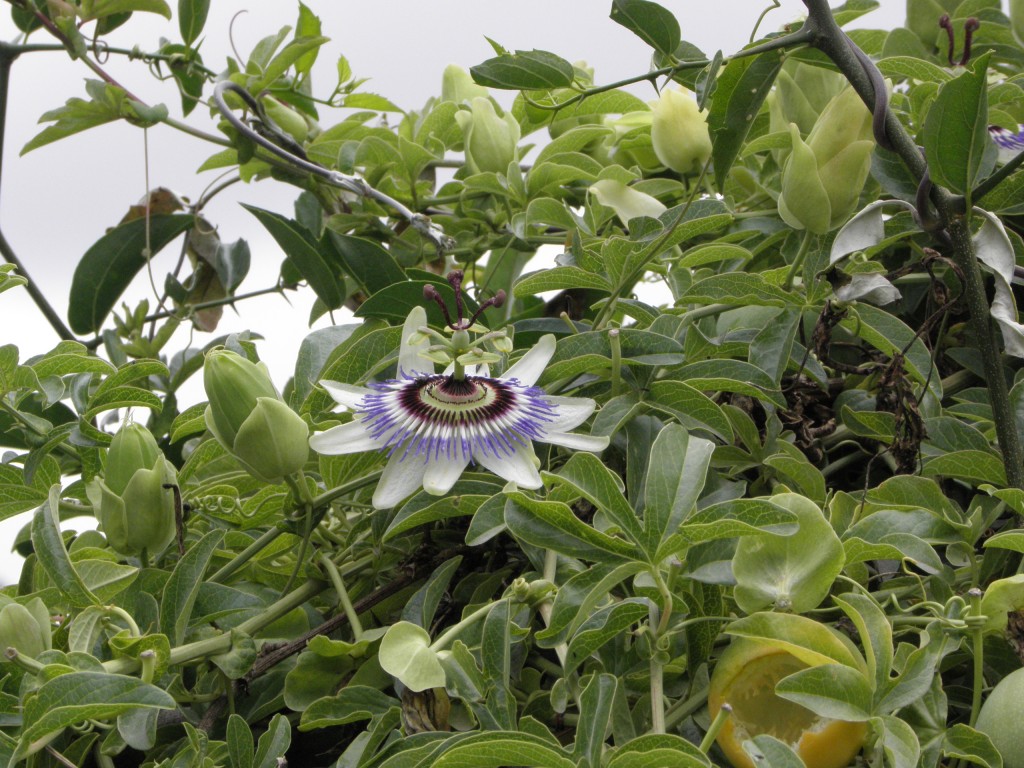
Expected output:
(57, 200)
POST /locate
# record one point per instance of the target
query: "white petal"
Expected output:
(443, 471)
(591, 443)
(345, 394)
(530, 366)
(400, 478)
(347, 438)
(570, 412)
(409, 360)
(519, 467)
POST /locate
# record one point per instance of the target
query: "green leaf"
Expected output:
(100, 9)
(191, 20)
(730, 519)
(791, 573)
(369, 264)
(577, 599)
(112, 262)
(524, 70)
(495, 749)
(588, 476)
(352, 704)
(890, 335)
(239, 739)
(776, 754)
(605, 624)
(961, 742)
(552, 525)
(405, 652)
(289, 55)
(975, 466)
(742, 86)
(675, 478)
(395, 301)
(308, 26)
(912, 68)
(595, 711)
(875, 634)
(52, 555)
(77, 696)
(301, 251)
(899, 742)
(182, 588)
(692, 408)
(653, 24)
(412, 516)
(810, 641)
(653, 750)
(75, 116)
(274, 743)
(731, 376)
(740, 288)
(558, 279)
(956, 129)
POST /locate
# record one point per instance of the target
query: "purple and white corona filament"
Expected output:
(1010, 143)
(433, 425)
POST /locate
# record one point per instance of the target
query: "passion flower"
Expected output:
(433, 425)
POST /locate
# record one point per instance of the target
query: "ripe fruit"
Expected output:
(745, 677)
(1001, 717)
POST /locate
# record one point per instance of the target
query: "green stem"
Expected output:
(222, 643)
(121, 613)
(343, 598)
(243, 557)
(616, 347)
(977, 630)
(682, 709)
(798, 260)
(328, 496)
(995, 377)
(453, 631)
(716, 726)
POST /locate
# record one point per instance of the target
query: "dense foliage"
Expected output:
(550, 519)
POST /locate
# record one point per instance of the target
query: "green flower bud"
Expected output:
(25, 627)
(457, 85)
(134, 509)
(802, 92)
(491, 141)
(631, 143)
(679, 132)
(823, 177)
(1017, 18)
(286, 118)
(248, 418)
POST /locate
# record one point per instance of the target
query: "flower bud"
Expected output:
(248, 418)
(802, 91)
(631, 143)
(25, 627)
(679, 132)
(823, 177)
(490, 141)
(286, 118)
(457, 85)
(134, 509)
(1017, 18)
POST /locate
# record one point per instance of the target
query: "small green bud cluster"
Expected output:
(248, 417)
(134, 500)
(823, 177)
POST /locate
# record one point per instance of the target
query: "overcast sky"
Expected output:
(59, 199)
